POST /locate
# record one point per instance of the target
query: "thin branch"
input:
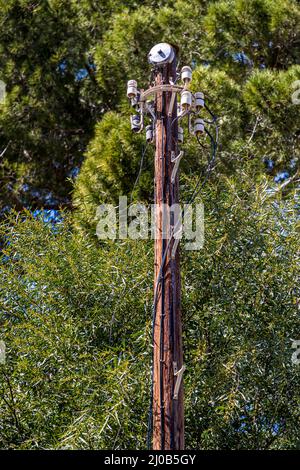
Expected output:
(254, 129)
(12, 406)
(3, 151)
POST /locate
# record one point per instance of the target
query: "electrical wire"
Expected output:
(180, 116)
(214, 146)
(211, 113)
(144, 149)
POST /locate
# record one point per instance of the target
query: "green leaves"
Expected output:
(75, 313)
(111, 168)
(239, 318)
(76, 320)
(266, 31)
(68, 310)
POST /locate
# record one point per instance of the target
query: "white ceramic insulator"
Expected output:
(186, 74)
(198, 126)
(132, 89)
(135, 122)
(149, 134)
(199, 100)
(186, 99)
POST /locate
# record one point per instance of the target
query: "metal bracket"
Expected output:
(179, 156)
(177, 234)
(179, 375)
(172, 102)
(160, 88)
(176, 160)
(174, 249)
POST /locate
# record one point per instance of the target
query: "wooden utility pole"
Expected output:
(168, 412)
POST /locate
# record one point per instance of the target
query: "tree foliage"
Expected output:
(75, 313)
(258, 120)
(76, 319)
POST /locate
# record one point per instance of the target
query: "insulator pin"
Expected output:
(149, 134)
(135, 123)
